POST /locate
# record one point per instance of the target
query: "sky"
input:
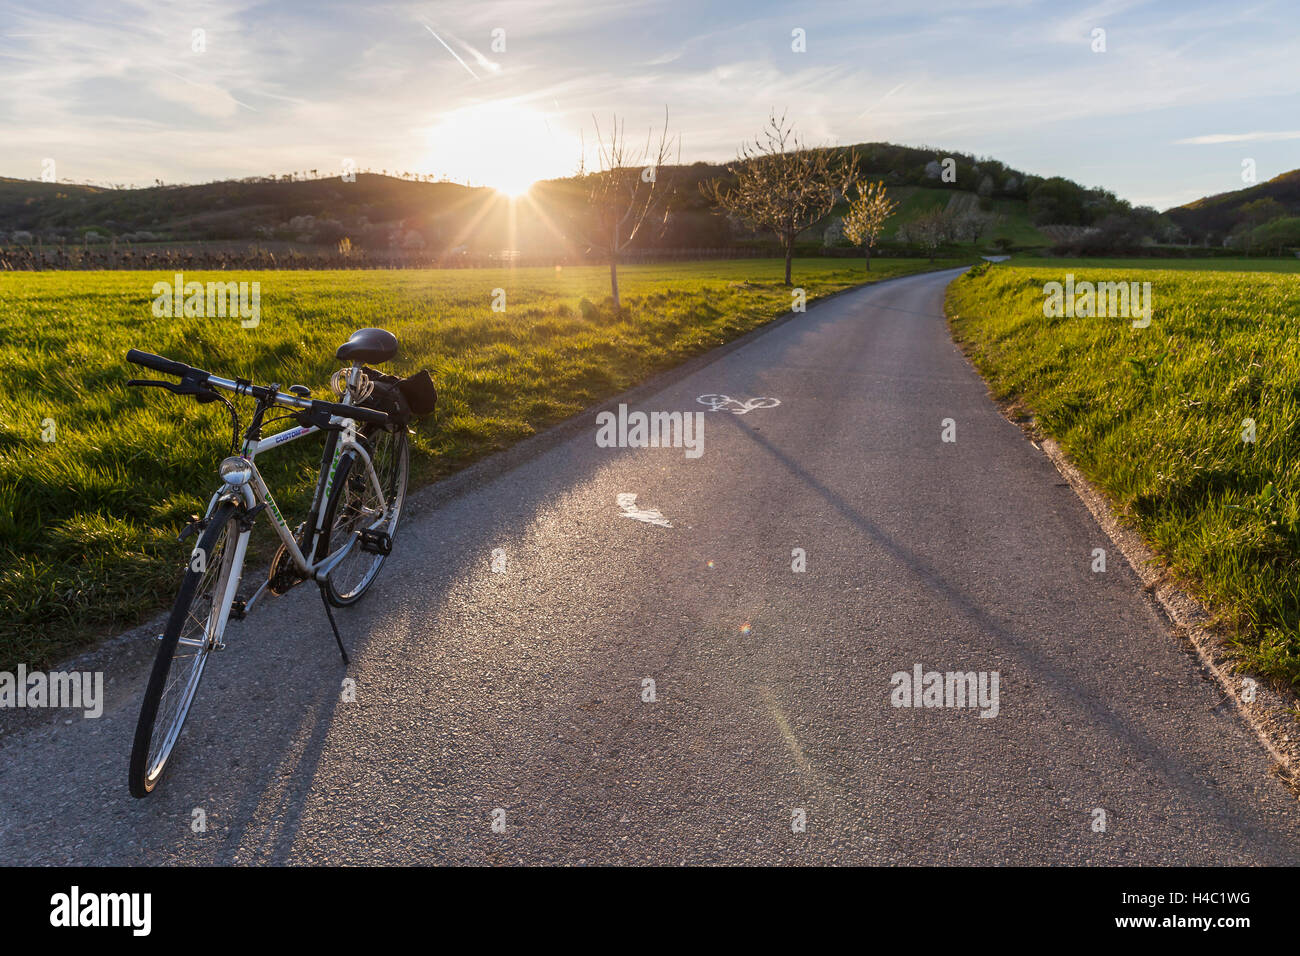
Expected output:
(503, 93)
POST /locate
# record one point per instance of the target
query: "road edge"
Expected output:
(1267, 713)
(1271, 713)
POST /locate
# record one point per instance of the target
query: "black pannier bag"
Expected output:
(401, 398)
(420, 395)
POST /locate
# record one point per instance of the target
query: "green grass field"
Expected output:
(1258, 264)
(1156, 416)
(88, 520)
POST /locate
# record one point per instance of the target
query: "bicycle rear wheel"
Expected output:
(193, 630)
(353, 506)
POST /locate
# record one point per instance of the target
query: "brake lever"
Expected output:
(314, 416)
(201, 393)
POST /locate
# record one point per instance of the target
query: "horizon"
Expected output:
(298, 176)
(504, 94)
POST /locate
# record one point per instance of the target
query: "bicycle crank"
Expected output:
(284, 573)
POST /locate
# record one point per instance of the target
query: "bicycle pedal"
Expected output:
(239, 610)
(376, 542)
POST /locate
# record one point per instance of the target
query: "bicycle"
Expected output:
(340, 546)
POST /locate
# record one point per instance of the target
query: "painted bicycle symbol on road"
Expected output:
(725, 403)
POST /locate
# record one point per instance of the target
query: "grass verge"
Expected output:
(1159, 419)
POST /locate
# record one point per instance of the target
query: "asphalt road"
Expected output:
(523, 690)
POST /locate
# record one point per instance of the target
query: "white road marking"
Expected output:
(725, 403)
(627, 501)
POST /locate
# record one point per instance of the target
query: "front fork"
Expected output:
(233, 572)
(232, 565)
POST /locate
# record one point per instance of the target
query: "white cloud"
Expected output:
(1214, 138)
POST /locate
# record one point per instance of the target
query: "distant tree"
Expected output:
(1115, 233)
(1278, 235)
(629, 185)
(867, 215)
(782, 186)
(1057, 201)
(1167, 230)
(1260, 211)
(930, 230)
(971, 224)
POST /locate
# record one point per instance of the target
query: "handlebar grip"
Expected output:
(157, 363)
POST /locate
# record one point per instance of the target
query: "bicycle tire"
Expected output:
(349, 581)
(147, 760)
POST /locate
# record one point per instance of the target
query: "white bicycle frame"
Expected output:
(254, 492)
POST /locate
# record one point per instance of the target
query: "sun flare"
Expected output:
(502, 145)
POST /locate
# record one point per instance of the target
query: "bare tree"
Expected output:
(866, 217)
(930, 230)
(782, 186)
(628, 187)
(970, 223)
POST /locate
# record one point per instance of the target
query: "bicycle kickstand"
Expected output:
(330, 614)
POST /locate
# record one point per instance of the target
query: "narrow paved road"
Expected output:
(523, 690)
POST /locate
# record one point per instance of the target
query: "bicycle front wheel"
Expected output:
(193, 630)
(354, 507)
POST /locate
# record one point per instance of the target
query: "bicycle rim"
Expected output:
(354, 507)
(191, 634)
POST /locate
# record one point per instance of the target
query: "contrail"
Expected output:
(451, 51)
(210, 86)
(882, 99)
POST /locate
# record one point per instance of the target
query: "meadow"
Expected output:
(97, 479)
(1160, 418)
(1224, 264)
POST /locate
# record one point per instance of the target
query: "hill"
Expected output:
(234, 210)
(386, 215)
(1233, 216)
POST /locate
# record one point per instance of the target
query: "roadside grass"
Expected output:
(88, 521)
(1156, 417)
(1178, 265)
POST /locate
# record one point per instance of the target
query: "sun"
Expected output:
(514, 186)
(503, 145)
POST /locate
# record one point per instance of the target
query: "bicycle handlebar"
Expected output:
(169, 367)
(158, 363)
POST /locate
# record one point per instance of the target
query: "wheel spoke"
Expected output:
(360, 509)
(188, 658)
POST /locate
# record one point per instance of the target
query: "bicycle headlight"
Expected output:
(236, 471)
